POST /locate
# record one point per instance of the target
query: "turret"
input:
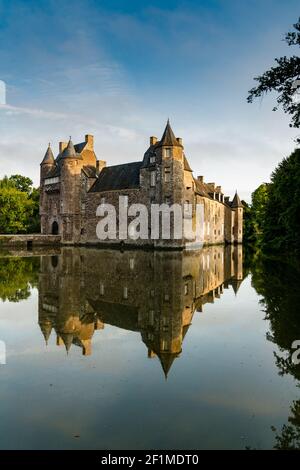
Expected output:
(238, 209)
(47, 164)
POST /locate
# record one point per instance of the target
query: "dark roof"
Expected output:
(89, 171)
(54, 172)
(79, 147)
(166, 360)
(49, 157)
(186, 164)
(70, 152)
(201, 188)
(236, 201)
(125, 176)
(116, 314)
(168, 137)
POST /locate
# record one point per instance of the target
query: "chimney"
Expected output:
(212, 185)
(62, 146)
(179, 140)
(200, 179)
(153, 140)
(89, 139)
(100, 164)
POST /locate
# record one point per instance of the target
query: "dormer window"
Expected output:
(168, 153)
(152, 159)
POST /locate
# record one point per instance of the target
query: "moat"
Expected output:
(148, 349)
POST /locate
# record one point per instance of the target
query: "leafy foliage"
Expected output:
(273, 219)
(19, 205)
(281, 78)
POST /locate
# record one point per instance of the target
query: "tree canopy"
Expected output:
(19, 205)
(273, 219)
(283, 78)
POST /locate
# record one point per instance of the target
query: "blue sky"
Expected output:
(119, 69)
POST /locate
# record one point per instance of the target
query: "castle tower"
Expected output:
(70, 169)
(47, 164)
(162, 173)
(46, 168)
(237, 207)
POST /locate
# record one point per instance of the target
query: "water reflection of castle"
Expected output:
(154, 293)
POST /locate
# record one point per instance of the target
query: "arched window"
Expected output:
(55, 228)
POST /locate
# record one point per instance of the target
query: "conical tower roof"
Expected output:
(67, 339)
(69, 151)
(46, 328)
(168, 137)
(166, 360)
(49, 157)
(236, 201)
(236, 284)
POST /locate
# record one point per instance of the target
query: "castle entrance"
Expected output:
(55, 228)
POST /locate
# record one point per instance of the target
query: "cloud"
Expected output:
(39, 113)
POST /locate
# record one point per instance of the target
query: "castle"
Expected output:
(75, 183)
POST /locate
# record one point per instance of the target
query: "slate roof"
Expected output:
(168, 137)
(70, 152)
(236, 201)
(89, 171)
(186, 164)
(79, 147)
(49, 157)
(201, 189)
(125, 176)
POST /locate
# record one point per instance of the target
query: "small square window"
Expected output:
(168, 153)
(167, 175)
(151, 317)
(125, 293)
(131, 263)
(152, 159)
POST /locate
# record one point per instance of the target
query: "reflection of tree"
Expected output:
(278, 283)
(17, 276)
(289, 439)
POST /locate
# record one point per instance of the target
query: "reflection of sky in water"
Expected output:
(223, 391)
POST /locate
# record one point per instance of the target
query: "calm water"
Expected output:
(148, 350)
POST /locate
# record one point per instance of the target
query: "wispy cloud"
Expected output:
(39, 113)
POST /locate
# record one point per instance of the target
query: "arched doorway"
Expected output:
(55, 228)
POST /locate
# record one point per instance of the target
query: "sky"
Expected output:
(119, 69)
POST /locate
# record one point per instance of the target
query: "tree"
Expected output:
(22, 183)
(255, 215)
(284, 79)
(273, 221)
(19, 205)
(282, 215)
(16, 208)
(34, 225)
